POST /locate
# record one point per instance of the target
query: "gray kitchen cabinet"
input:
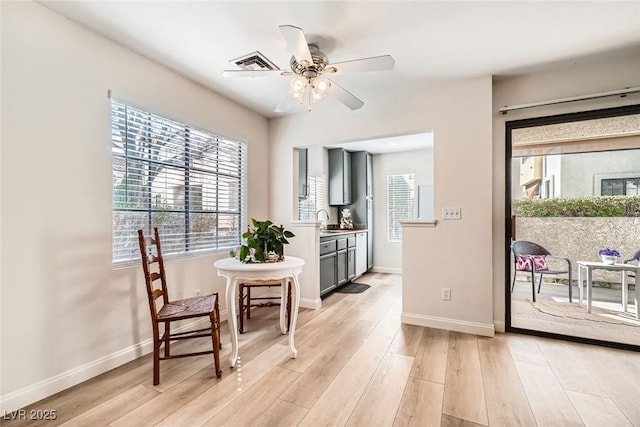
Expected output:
(362, 196)
(339, 177)
(337, 261)
(328, 264)
(303, 185)
(341, 245)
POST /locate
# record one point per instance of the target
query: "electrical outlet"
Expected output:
(196, 292)
(451, 213)
(446, 294)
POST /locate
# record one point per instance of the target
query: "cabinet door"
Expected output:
(303, 186)
(327, 272)
(351, 263)
(339, 177)
(342, 267)
(346, 178)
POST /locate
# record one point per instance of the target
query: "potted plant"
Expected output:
(264, 242)
(608, 255)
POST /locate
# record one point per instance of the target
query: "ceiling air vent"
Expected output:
(255, 61)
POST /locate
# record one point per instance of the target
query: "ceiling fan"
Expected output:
(309, 68)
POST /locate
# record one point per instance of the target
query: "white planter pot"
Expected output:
(609, 259)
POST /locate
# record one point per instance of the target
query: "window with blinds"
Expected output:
(400, 195)
(317, 199)
(188, 182)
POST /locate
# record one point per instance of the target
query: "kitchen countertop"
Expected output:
(331, 233)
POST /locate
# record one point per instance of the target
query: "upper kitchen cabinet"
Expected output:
(303, 166)
(339, 177)
(361, 187)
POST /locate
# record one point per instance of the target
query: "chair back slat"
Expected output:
(523, 247)
(150, 277)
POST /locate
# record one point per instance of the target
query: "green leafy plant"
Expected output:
(264, 242)
(589, 206)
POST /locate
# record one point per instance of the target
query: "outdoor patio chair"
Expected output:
(532, 258)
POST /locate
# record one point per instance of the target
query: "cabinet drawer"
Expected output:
(327, 247)
(342, 243)
(351, 241)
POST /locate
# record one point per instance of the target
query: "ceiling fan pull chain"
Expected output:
(309, 95)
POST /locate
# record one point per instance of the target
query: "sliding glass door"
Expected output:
(574, 191)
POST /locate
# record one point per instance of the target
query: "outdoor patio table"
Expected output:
(589, 266)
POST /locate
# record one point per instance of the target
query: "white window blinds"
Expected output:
(189, 183)
(317, 199)
(400, 195)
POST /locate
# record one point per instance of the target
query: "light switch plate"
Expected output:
(451, 213)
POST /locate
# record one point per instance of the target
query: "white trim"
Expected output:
(386, 270)
(499, 326)
(34, 392)
(627, 90)
(486, 330)
(420, 223)
(313, 304)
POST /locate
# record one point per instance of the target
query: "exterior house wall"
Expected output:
(582, 173)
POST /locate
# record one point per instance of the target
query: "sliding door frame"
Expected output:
(540, 121)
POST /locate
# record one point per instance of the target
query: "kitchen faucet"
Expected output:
(324, 224)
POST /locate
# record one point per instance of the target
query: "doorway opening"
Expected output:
(573, 191)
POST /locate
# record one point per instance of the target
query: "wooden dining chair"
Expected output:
(246, 301)
(172, 311)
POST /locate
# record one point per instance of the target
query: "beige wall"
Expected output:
(387, 256)
(455, 254)
(579, 78)
(66, 315)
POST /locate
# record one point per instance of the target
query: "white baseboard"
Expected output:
(313, 304)
(34, 392)
(486, 330)
(499, 325)
(386, 270)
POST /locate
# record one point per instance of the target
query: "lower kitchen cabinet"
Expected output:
(328, 264)
(337, 261)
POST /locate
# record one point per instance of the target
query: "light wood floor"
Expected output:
(358, 366)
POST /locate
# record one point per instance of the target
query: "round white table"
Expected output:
(236, 272)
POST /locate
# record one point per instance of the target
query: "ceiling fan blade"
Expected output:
(296, 42)
(344, 96)
(376, 63)
(255, 73)
(285, 104)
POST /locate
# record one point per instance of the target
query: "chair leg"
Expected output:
(513, 282)
(156, 354)
(540, 283)
(248, 303)
(167, 343)
(215, 341)
(533, 285)
(217, 310)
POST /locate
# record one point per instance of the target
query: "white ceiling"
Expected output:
(429, 40)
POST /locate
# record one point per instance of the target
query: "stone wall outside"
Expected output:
(579, 239)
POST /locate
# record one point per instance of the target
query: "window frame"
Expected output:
(394, 229)
(185, 140)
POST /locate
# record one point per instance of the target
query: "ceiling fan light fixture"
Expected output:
(319, 88)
